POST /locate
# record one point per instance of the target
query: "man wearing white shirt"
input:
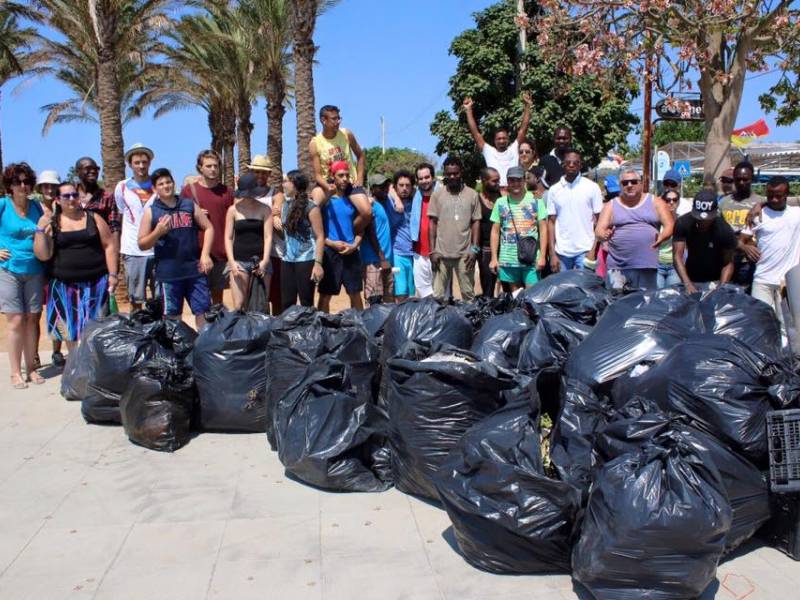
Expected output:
(573, 204)
(777, 232)
(502, 156)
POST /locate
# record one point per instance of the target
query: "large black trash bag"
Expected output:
(507, 515)
(482, 308)
(500, 338)
(158, 403)
(327, 436)
(549, 343)
(230, 371)
(641, 420)
(729, 310)
(583, 414)
(435, 395)
(578, 295)
(375, 316)
(115, 353)
(640, 327)
(655, 525)
(75, 378)
(722, 386)
(346, 338)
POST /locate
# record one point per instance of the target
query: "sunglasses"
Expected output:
(726, 179)
(671, 200)
(28, 182)
(629, 182)
(70, 196)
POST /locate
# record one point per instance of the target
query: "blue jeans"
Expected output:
(637, 279)
(569, 263)
(667, 276)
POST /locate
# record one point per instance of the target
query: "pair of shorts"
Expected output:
(340, 269)
(21, 293)
(378, 282)
(139, 275)
(526, 276)
(194, 290)
(404, 279)
(217, 276)
(246, 267)
(423, 276)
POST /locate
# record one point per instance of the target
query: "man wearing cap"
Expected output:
(502, 155)
(734, 209)
(672, 181)
(706, 241)
(263, 168)
(131, 196)
(376, 251)
(47, 187)
(214, 198)
(341, 263)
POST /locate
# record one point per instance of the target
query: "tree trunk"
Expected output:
(244, 131)
(276, 96)
(108, 100)
(721, 102)
(228, 160)
(303, 17)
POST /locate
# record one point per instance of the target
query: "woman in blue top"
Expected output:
(21, 273)
(301, 268)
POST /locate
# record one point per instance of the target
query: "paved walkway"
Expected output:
(86, 514)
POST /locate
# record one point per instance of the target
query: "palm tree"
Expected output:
(303, 18)
(107, 34)
(16, 47)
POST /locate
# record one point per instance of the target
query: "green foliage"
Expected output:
(487, 71)
(678, 131)
(393, 160)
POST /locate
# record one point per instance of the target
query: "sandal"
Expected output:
(34, 377)
(18, 383)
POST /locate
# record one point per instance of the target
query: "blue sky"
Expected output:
(376, 58)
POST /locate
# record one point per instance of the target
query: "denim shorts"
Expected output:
(21, 293)
(194, 290)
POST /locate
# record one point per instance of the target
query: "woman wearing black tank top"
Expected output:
(82, 260)
(248, 239)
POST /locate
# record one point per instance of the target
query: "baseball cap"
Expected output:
(515, 173)
(673, 175)
(249, 188)
(377, 179)
(704, 205)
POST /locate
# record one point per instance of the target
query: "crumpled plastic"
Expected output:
(577, 295)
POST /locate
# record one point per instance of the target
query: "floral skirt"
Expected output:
(70, 306)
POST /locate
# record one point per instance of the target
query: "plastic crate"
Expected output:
(783, 431)
(782, 531)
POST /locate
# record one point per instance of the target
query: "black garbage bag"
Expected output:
(729, 310)
(722, 386)
(424, 320)
(548, 344)
(508, 517)
(583, 414)
(655, 525)
(346, 338)
(256, 300)
(641, 420)
(157, 405)
(75, 378)
(640, 327)
(482, 308)
(500, 338)
(231, 371)
(328, 437)
(375, 316)
(578, 295)
(435, 396)
(115, 353)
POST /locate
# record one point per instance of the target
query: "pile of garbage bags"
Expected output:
(620, 437)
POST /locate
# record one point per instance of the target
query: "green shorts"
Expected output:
(526, 276)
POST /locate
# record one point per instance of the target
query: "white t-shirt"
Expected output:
(278, 243)
(502, 161)
(778, 237)
(574, 206)
(131, 208)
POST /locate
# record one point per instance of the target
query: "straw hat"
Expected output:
(138, 149)
(261, 163)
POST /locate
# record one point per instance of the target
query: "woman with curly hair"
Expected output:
(21, 273)
(301, 269)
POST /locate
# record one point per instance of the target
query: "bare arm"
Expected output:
(43, 241)
(317, 166)
(678, 251)
(727, 270)
(315, 218)
(205, 225)
(551, 242)
(433, 224)
(494, 243)
(361, 158)
(526, 118)
(267, 239)
(542, 258)
(476, 234)
(364, 208)
(277, 203)
(602, 230)
(149, 235)
(473, 126)
(667, 221)
(230, 218)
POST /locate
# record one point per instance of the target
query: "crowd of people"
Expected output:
(65, 244)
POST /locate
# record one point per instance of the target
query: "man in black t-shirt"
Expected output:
(707, 241)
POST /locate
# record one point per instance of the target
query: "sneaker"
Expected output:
(58, 359)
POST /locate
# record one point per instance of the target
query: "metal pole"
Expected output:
(647, 126)
(523, 43)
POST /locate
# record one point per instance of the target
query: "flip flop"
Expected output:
(20, 384)
(34, 377)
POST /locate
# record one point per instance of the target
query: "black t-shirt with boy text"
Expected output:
(705, 249)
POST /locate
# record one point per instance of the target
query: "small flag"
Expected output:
(744, 136)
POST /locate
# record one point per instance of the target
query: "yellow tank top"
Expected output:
(332, 150)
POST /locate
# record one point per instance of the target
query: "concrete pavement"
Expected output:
(86, 514)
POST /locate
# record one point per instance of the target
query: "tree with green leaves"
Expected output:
(493, 71)
(666, 132)
(393, 160)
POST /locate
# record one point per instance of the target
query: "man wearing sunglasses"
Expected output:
(735, 208)
(726, 182)
(634, 225)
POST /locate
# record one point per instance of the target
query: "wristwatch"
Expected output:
(474, 249)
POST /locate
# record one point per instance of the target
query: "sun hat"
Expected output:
(138, 148)
(249, 188)
(49, 176)
(261, 163)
